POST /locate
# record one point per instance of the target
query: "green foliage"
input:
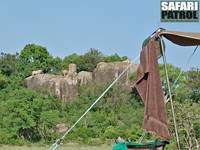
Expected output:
(197, 129)
(3, 81)
(115, 57)
(56, 65)
(133, 76)
(86, 62)
(193, 83)
(187, 116)
(89, 60)
(74, 58)
(173, 74)
(111, 117)
(34, 57)
(47, 123)
(27, 116)
(8, 63)
(24, 113)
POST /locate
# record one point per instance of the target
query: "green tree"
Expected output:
(22, 114)
(193, 83)
(86, 62)
(173, 73)
(34, 57)
(114, 57)
(73, 58)
(8, 63)
(91, 59)
(56, 65)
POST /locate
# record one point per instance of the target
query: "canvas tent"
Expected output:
(151, 111)
(181, 38)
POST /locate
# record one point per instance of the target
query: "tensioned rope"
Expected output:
(188, 61)
(181, 72)
(57, 143)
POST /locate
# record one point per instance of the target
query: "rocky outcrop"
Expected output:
(84, 77)
(66, 86)
(107, 72)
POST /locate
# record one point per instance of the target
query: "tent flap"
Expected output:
(182, 38)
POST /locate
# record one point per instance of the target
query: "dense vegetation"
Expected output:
(27, 116)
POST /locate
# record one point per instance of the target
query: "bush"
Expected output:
(24, 113)
(3, 81)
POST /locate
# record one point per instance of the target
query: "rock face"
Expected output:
(84, 77)
(107, 72)
(66, 87)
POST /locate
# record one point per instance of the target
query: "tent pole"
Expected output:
(170, 94)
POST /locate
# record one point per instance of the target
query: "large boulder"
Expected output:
(65, 88)
(84, 77)
(107, 72)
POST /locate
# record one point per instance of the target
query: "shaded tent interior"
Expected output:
(179, 38)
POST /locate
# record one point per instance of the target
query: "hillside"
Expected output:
(30, 116)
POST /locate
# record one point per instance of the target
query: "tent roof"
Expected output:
(182, 38)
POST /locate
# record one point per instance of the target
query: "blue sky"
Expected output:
(68, 26)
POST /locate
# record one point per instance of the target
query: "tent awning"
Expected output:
(182, 38)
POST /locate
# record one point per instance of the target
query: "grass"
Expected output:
(65, 147)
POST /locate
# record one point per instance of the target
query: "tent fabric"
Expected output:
(149, 88)
(158, 49)
(120, 146)
(181, 38)
(154, 145)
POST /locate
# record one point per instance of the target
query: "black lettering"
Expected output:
(170, 15)
(189, 14)
(164, 14)
(179, 15)
(176, 14)
(195, 15)
(182, 15)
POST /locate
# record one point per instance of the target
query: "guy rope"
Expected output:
(58, 142)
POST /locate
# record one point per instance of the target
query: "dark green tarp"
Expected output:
(143, 146)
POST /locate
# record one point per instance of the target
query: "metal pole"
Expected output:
(170, 95)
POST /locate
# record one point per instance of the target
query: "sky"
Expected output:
(74, 26)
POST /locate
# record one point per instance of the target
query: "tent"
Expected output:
(179, 38)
